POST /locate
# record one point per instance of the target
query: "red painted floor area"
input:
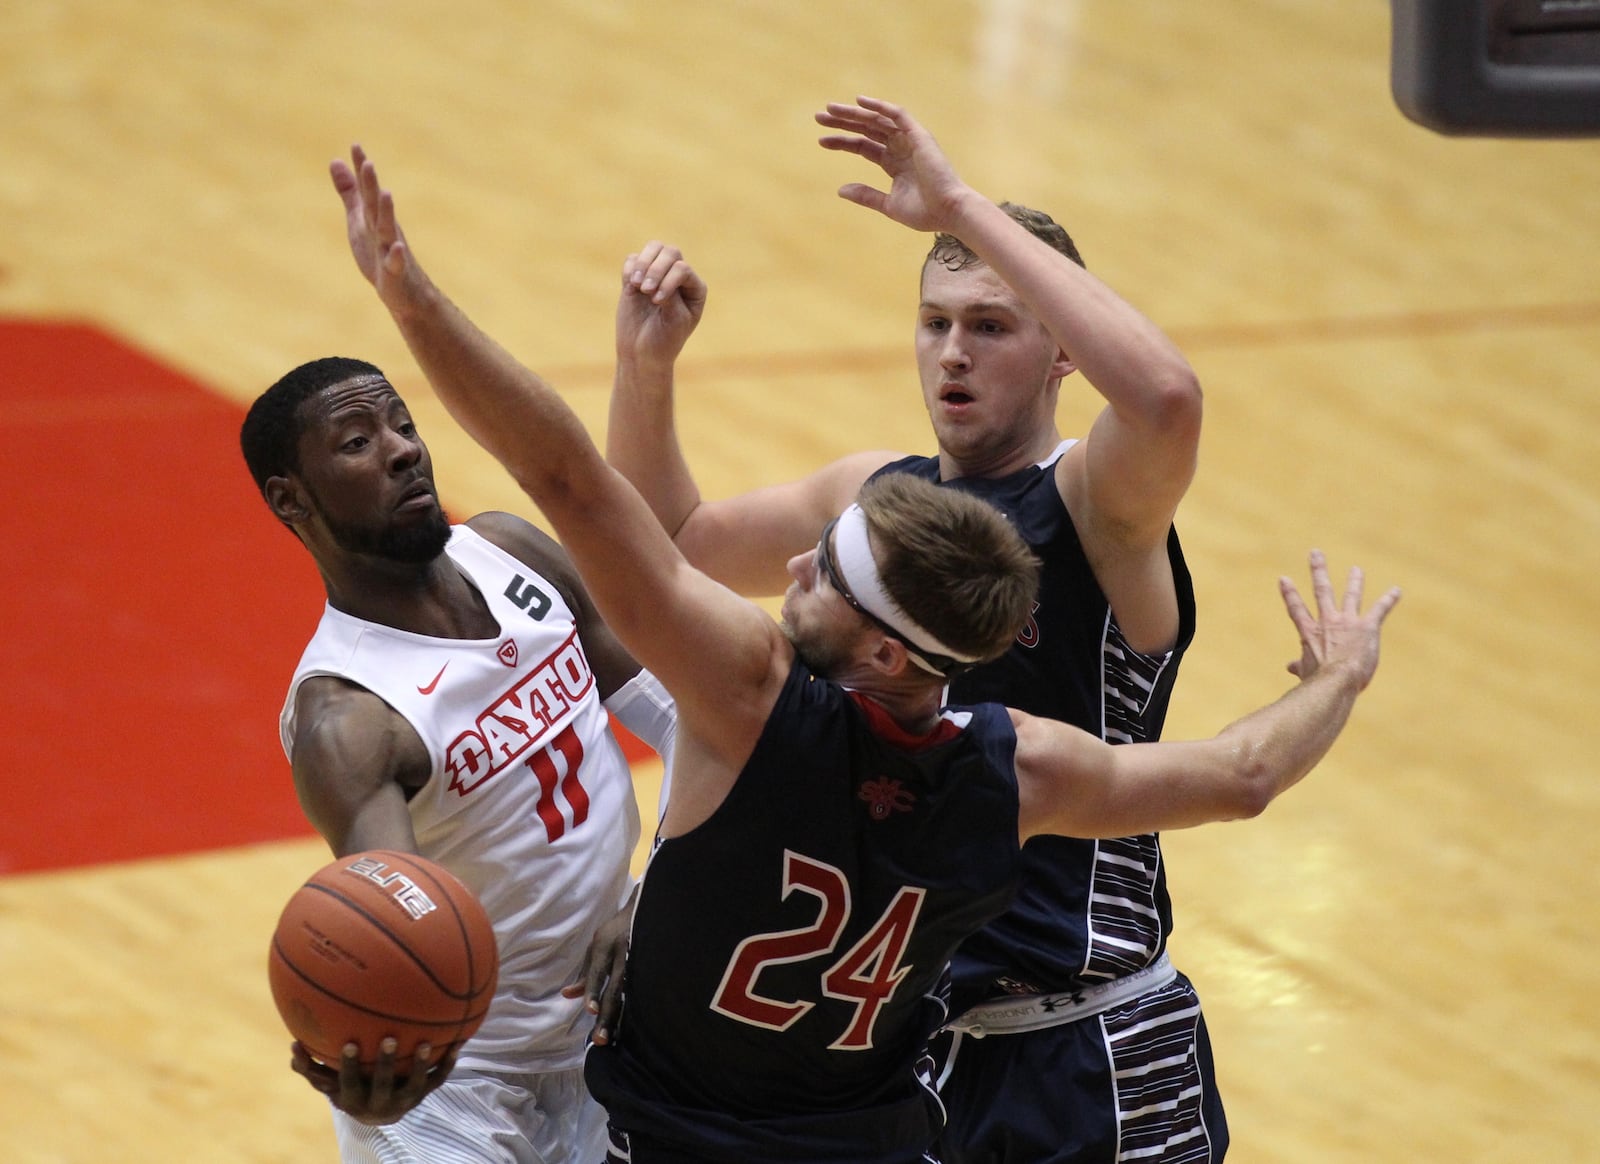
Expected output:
(154, 612)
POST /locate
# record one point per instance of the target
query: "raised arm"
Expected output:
(1076, 785)
(1123, 482)
(660, 305)
(743, 541)
(722, 658)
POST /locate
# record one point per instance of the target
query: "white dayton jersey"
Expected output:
(530, 799)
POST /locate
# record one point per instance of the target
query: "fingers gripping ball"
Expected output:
(380, 944)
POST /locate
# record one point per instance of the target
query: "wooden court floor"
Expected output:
(1399, 338)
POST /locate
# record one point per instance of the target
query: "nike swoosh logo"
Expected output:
(428, 690)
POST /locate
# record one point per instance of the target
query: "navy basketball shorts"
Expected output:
(1135, 1082)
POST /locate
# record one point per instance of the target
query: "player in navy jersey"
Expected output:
(832, 829)
(1006, 312)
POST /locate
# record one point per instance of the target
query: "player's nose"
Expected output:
(803, 568)
(402, 451)
(953, 352)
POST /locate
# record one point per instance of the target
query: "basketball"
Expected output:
(380, 944)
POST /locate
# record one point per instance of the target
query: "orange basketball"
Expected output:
(378, 944)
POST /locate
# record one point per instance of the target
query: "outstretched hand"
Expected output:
(1339, 632)
(660, 306)
(923, 189)
(376, 241)
(376, 1098)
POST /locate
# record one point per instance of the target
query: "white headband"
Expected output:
(852, 555)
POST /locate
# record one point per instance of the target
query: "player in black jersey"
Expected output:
(832, 830)
(1006, 312)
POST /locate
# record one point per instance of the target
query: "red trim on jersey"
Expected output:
(884, 727)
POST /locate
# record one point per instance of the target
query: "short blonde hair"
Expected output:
(954, 255)
(951, 562)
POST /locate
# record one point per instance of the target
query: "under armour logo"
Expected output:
(1052, 1003)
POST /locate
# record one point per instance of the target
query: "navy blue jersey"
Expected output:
(783, 975)
(1087, 911)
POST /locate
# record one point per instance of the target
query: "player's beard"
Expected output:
(412, 543)
(823, 658)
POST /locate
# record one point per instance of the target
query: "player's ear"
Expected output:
(285, 500)
(889, 656)
(1063, 365)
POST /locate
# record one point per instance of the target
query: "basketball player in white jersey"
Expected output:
(453, 702)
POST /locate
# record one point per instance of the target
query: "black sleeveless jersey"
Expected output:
(783, 975)
(1087, 911)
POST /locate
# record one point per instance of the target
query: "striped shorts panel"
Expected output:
(1130, 1085)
